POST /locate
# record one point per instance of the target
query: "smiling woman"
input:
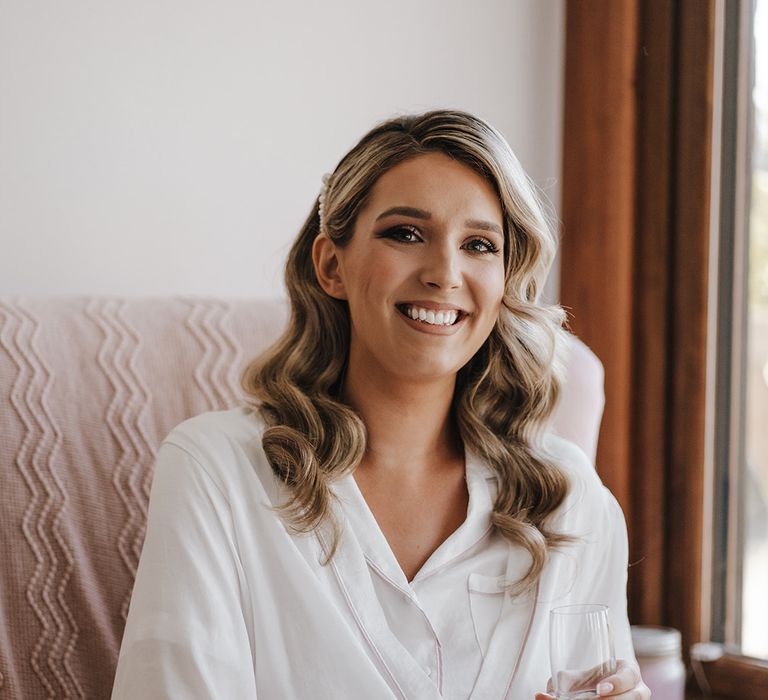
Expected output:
(389, 517)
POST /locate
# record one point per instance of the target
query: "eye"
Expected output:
(404, 234)
(481, 245)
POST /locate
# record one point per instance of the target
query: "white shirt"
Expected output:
(229, 604)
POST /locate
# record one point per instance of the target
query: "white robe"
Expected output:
(228, 604)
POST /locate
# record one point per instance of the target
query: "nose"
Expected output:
(442, 268)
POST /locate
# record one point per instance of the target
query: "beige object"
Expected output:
(579, 411)
(88, 389)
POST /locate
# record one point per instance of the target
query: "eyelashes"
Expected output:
(488, 247)
(400, 233)
(410, 234)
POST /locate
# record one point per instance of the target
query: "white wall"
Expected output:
(176, 146)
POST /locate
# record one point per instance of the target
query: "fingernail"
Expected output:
(604, 688)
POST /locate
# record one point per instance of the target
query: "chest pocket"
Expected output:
(486, 598)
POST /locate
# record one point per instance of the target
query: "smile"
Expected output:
(442, 317)
(430, 317)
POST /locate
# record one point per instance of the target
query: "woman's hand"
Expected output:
(625, 684)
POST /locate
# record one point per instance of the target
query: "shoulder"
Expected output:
(217, 428)
(587, 496)
(223, 443)
(572, 460)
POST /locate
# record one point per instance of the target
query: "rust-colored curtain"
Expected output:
(636, 195)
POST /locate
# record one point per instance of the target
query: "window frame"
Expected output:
(733, 675)
(730, 321)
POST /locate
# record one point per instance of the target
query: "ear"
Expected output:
(325, 258)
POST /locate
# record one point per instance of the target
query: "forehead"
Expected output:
(438, 180)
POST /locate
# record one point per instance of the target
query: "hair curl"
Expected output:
(504, 394)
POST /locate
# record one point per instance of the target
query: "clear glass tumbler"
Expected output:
(580, 650)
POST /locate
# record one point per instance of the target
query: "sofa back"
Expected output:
(89, 387)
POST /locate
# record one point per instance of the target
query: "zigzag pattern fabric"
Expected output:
(88, 389)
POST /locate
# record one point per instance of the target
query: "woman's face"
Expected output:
(428, 246)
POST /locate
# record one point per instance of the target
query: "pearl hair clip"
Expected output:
(321, 199)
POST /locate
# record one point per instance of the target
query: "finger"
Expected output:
(639, 692)
(626, 678)
(547, 695)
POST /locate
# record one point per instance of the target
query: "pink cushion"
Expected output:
(88, 389)
(579, 411)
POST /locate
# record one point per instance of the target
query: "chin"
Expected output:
(429, 371)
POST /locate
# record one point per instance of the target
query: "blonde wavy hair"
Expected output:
(504, 394)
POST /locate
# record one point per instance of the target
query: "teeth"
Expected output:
(441, 318)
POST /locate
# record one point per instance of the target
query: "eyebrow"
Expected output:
(405, 211)
(483, 225)
(425, 215)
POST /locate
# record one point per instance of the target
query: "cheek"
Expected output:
(363, 296)
(493, 289)
(386, 271)
(376, 285)
(492, 284)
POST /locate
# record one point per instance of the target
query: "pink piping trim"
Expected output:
(525, 641)
(359, 621)
(410, 597)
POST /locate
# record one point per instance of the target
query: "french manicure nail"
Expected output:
(604, 688)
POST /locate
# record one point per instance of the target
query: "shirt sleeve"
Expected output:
(186, 634)
(612, 576)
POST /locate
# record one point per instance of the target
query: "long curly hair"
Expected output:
(503, 395)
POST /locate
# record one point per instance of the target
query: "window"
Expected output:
(740, 571)
(754, 607)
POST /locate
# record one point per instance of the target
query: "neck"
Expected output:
(411, 427)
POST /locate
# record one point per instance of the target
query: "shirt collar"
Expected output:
(481, 485)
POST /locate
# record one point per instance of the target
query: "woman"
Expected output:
(389, 518)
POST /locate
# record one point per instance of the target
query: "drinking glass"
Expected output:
(580, 650)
